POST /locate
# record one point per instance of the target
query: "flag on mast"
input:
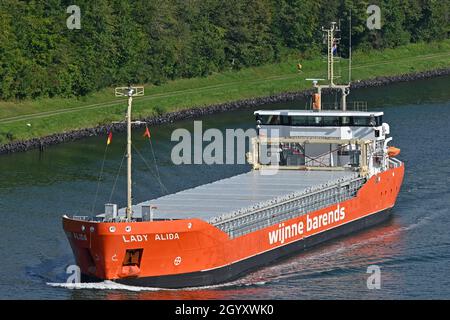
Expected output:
(109, 138)
(334, 49)
(147, 132)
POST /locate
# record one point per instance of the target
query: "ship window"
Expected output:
(361, 121)
(299, 121)
(316, 121)
(379, 121)
(345, 121)
(284, 120)
(271, 120)
(331, 121)
(274, 120)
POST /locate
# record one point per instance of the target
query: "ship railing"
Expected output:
(274, 212)
(123, 219)
(350, 106)
(357, 106)
(394, 163)
(82, 218)
(88, 218)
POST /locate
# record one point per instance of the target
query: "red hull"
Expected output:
(191, 246)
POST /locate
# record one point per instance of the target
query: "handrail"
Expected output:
(239, 225)
(356, 105)
(395, 162)
(83, 218)
(265, 205)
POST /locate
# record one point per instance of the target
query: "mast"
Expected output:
(350, 49)
(345, 89)
(130, 92)
(330, 46)
(129, 185)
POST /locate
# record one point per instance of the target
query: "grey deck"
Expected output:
(245, 190)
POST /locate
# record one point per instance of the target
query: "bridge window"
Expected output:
(379, 121)
(320, 121)
(306, 121)
(345, 121)
(273, 120)
(361, 121)
(299, 121)
(331, 121)
(285, 120)
(316, 121)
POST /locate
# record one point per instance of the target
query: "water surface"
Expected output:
(412, 249)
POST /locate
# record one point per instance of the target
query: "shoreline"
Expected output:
(195, 112)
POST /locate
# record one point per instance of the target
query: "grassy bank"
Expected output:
(48, 116)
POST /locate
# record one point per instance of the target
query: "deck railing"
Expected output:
(351, 105)
(394, 163)
(240, 224)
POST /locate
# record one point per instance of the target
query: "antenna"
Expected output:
(129, 92)
(350, 49)
(331, 49)
(314, 81)
(331, 42)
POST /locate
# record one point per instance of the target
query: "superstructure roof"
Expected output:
(331, 113)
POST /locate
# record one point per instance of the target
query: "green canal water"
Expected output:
(412, 249)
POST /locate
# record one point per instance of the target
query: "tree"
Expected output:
(154, 41)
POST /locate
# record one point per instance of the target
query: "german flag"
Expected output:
(109, 138)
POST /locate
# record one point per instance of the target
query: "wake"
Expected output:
(323, 262)
(111, 285)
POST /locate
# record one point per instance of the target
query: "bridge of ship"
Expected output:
(320, 140)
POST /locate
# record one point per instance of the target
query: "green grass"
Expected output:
(48, 116)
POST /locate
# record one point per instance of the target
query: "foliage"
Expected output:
(153, 41)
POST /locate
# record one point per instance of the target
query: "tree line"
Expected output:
(152, 41)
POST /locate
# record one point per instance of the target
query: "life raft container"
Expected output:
(393, 151)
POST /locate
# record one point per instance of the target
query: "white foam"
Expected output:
(105, 285)
(111, 285)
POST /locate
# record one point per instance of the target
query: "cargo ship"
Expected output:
(331, 172)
